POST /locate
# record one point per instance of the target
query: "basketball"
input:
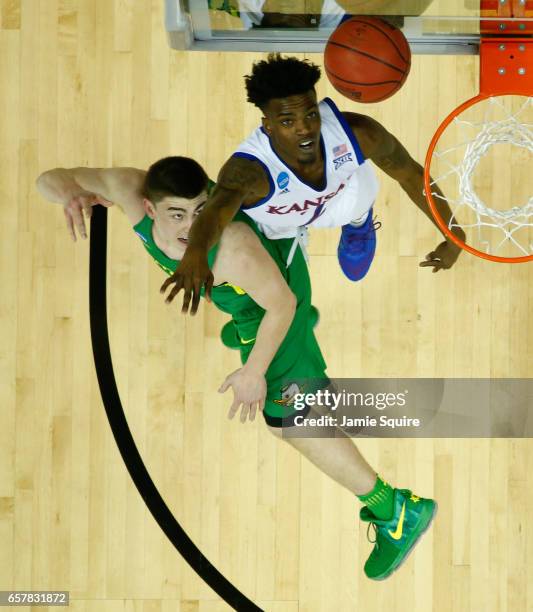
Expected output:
(367, 59)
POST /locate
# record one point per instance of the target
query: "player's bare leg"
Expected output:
(334, 453)
(398, 516)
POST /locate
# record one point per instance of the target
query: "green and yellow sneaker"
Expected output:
(396, 537)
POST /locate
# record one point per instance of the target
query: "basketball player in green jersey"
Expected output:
(272, 325)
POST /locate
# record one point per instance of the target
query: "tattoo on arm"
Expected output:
(380, 146)
(395, 159)
(242, 175)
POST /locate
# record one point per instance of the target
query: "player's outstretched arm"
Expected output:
(79, 189)
(388, 153)
(243, 261)
(238, 182)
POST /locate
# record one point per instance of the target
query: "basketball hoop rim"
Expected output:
(427, 181)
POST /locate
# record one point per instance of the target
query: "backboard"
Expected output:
(430, 26)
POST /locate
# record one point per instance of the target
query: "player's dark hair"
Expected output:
(280, 77)
(174, 176)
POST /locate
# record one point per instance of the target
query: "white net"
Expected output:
(483, 167)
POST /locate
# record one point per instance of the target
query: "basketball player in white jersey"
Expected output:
(308, 165)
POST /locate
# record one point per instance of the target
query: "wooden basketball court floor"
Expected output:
(93, 82)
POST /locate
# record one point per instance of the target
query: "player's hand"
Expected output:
(443, 257)
(82, 202)
(249, 389)
(192, 274)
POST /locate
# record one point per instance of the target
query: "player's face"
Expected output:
(293, 124)
(174, 216)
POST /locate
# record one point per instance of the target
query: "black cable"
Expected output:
(121, 432)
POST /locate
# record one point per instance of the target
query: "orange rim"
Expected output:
(429, 196)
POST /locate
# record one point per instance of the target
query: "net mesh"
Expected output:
(487, 186)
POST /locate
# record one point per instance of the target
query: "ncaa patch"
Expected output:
(282, 180)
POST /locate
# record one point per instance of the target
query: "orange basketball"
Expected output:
(367, 59)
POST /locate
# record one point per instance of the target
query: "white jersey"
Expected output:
(348, 191)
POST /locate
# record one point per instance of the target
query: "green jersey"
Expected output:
(299, 355)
